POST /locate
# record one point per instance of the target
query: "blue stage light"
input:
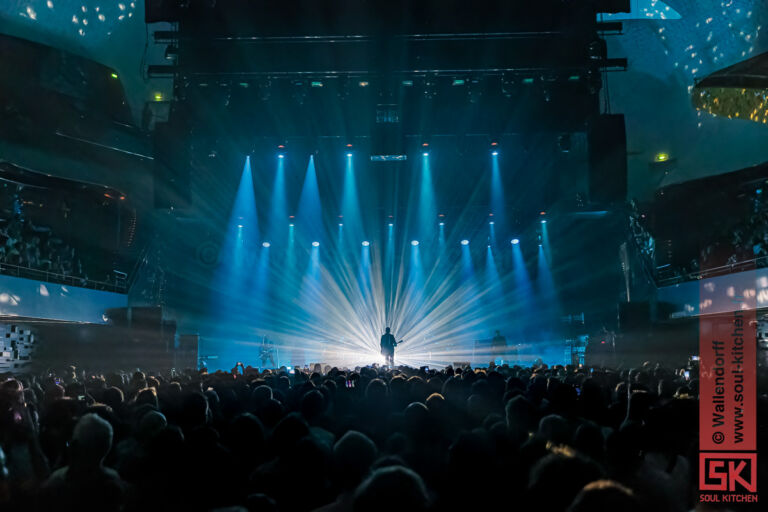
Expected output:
(349, 155)
(543, 221)
(426, 153)
(495, 153)
(515, 241)
(491, 223)
(239, 225)
(266, 244)
(390, 224)
(280, 155)
(366, 243)
(315, 244)
(340, 224)
(414, 243)
(465, 242)
(290, 225)
(442, 224)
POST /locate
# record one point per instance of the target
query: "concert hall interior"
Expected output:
(279, 194)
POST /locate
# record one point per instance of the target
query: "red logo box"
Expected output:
(727, 471)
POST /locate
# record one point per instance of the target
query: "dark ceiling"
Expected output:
(666, 53)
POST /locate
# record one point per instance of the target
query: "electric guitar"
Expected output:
(383, 350)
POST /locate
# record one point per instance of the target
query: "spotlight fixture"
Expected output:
(442, 224)
(465, 242)
(414, 243)
(349, 155)
(495, 153)
(340, 224)
(266, 245)
(515, 241)
(366, 243)
(280, 155)
(390, 224)
(290, 225)
(240, 225)
(426, 153)
(315, 244)
(661, 157)
(543, 221)
(491, 223)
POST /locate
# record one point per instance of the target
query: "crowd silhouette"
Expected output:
(371, 439)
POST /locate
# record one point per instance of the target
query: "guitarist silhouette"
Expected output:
(388, 345)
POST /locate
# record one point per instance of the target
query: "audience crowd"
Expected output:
(501, 438)
(22, 244)
(737, 241)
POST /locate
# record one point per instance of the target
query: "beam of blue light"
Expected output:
(427, 204)
(441, 237)
(467, 267)
(522, 291)
(497, 189)
(364, 277)
(261, 290)
(545, 241)
(494, 294)
(350, 206)
(522, 280)
(242, 231)
(546, 292)
(279, 211)
(310, 212)
(231, 302)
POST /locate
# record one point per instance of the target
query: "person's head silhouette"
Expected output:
(387, 330)
(498, 333)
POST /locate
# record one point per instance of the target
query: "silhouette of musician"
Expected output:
(267, 353)
(388, 345)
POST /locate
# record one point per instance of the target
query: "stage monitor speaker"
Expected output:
(118, 317)
(186, 353)
(147, 318)
(607, 140)
(172, 164)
